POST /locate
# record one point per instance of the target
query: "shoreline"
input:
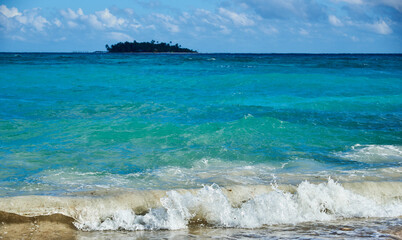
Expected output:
(38, 228)
(235, 207)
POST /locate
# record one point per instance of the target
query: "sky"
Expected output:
(208, 26)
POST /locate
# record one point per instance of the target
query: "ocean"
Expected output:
(111, 146)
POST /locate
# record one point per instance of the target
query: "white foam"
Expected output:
(206, 170)
(223, 173)
(374, 153)
(310, 202)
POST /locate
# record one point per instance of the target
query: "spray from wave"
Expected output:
(209, 205)
(236, 207)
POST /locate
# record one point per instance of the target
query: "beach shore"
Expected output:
(59, 228)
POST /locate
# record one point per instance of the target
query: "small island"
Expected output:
(147, 47)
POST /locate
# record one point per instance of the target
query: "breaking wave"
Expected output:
(231, 207)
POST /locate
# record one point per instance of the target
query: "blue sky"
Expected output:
(255, 26)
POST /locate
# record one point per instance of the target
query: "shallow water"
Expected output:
(92, 126)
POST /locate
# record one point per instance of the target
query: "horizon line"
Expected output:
(185, 53)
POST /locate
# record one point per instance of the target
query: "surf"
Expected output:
(228, 207)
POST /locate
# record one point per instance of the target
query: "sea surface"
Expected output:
(203, 145)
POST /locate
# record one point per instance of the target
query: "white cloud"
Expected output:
(302, 10)
(135, 25)
(17, 21)
(354, 38)
(72, 24)
(225, 30)
(150, 27)
(80, 12)
(334, 21)
(185, 17)
(303, 32)
(39, 23)
(269, 30)
(22, 19)
(57, 22)
(71, 14)
(237, 18)
(397, 4)
(205, 16)
(129, 11)
(94, 22)
(172, 27)
(9, 12)
(357, 2)
(202, 20)
(99, 20)
(60, 39)
(380, 27)
(118, 36)
(168, 22)
(109, 20)
(290, 18)
(16, 37)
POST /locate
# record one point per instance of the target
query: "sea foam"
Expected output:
(374, 153)
(234, 207)
(310, 202)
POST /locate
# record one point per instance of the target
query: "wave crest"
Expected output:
(232, 207)
(209, 205)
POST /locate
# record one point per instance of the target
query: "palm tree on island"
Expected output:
(147, 47)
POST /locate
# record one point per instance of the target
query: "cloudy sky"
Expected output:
(258, 26)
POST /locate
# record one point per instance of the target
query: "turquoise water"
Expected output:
(73, 123)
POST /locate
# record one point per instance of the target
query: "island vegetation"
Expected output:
(144, 47)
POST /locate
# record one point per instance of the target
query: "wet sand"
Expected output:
(55, 226)
(60, 227)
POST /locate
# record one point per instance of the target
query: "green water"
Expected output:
(78, 122)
